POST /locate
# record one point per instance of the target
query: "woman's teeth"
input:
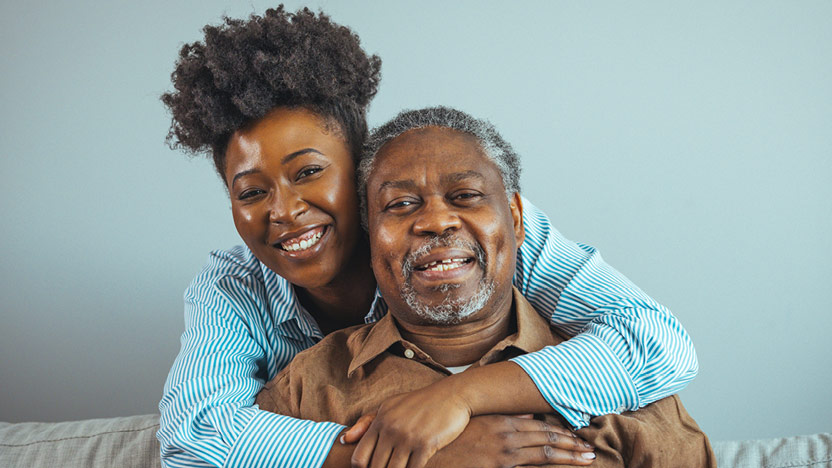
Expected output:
(294, 245)
(445, 265)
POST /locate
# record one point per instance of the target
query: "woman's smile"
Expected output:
(303, 242)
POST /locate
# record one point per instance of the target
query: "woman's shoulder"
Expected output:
(237, 267)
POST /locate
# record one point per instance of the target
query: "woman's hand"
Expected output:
(409, 428)
(502, 441)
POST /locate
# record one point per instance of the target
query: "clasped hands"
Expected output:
(428, 428)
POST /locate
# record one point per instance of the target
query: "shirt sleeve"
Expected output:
(626, 350)
(208, 417)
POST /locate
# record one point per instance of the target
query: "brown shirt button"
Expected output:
(408, 353)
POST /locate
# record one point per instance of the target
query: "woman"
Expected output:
(280, 103)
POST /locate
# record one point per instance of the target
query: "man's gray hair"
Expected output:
(495, 147)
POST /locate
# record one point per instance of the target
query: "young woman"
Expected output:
(280, 102)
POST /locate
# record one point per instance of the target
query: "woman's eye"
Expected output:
(308, 171)
(250, 194)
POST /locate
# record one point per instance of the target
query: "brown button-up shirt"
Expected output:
(352, 371)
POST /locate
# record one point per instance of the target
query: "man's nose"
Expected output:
(287, 205)
(435, 218)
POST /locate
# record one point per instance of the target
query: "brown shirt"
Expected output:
(352, 371)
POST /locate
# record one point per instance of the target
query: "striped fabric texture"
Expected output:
(244, 323)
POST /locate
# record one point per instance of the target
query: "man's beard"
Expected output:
(451, 310)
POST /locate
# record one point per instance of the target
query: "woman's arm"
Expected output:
(627, 351)
(230, 347)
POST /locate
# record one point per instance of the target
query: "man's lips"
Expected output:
(445, 264)
(443, 256)
(305, 240)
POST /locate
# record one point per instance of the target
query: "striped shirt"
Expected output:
(244, 323)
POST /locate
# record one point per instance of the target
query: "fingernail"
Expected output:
(344, 441)
(587, 445)
(589, 455)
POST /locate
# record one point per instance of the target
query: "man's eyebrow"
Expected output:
(397, 184)
(447, 178)
(285, 160)
(460, 176)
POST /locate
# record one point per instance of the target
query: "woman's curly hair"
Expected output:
(245, 68)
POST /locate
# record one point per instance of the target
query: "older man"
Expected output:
(445, 221)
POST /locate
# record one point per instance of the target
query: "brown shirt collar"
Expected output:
(533, 333)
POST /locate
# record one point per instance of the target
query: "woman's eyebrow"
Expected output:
(297, 153)
(242, 174)
(284, 160)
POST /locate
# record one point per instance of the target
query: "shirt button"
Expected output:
(408, 353)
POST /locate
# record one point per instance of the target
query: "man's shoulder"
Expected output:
(333, 353)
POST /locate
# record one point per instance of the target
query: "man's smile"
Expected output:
(444, 265)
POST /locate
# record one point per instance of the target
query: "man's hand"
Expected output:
(504, 441)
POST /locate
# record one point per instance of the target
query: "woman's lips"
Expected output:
(304, 241)
(305, 244)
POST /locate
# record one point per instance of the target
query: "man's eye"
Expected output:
(250, 194)
(399, 204)
(308, 171)
(466, 196)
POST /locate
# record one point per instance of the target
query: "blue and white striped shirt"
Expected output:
(244, 323)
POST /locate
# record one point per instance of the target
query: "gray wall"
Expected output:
(691, 143)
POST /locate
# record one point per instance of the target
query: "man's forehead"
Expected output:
(432, 138)
(418, 146)
(445, 178)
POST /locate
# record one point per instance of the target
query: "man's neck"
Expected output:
(467, 342)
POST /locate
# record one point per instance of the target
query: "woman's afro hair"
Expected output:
(245, 68)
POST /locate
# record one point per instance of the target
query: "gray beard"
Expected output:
(450, 311)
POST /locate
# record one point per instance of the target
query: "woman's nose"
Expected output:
(287, 205)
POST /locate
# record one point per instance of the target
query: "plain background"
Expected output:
(689, 141)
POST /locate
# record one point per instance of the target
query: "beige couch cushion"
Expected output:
(114, 442)
(131, 442)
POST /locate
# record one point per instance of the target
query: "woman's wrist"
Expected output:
(499, 388)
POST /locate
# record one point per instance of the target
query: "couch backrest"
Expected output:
(128, 442)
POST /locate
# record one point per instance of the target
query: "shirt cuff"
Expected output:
(580, 378)
(272, 440)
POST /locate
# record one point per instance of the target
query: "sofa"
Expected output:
(129, 442)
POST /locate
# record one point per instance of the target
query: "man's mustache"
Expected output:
(445, 240)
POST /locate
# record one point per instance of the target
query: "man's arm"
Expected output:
(207, 413)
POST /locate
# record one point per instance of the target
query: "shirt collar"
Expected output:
(533, 333)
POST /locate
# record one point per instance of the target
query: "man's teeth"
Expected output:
(445, 265)
(294, 245)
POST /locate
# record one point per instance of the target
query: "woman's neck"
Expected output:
(346, 300)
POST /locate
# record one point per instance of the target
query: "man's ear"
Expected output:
(515, 203)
